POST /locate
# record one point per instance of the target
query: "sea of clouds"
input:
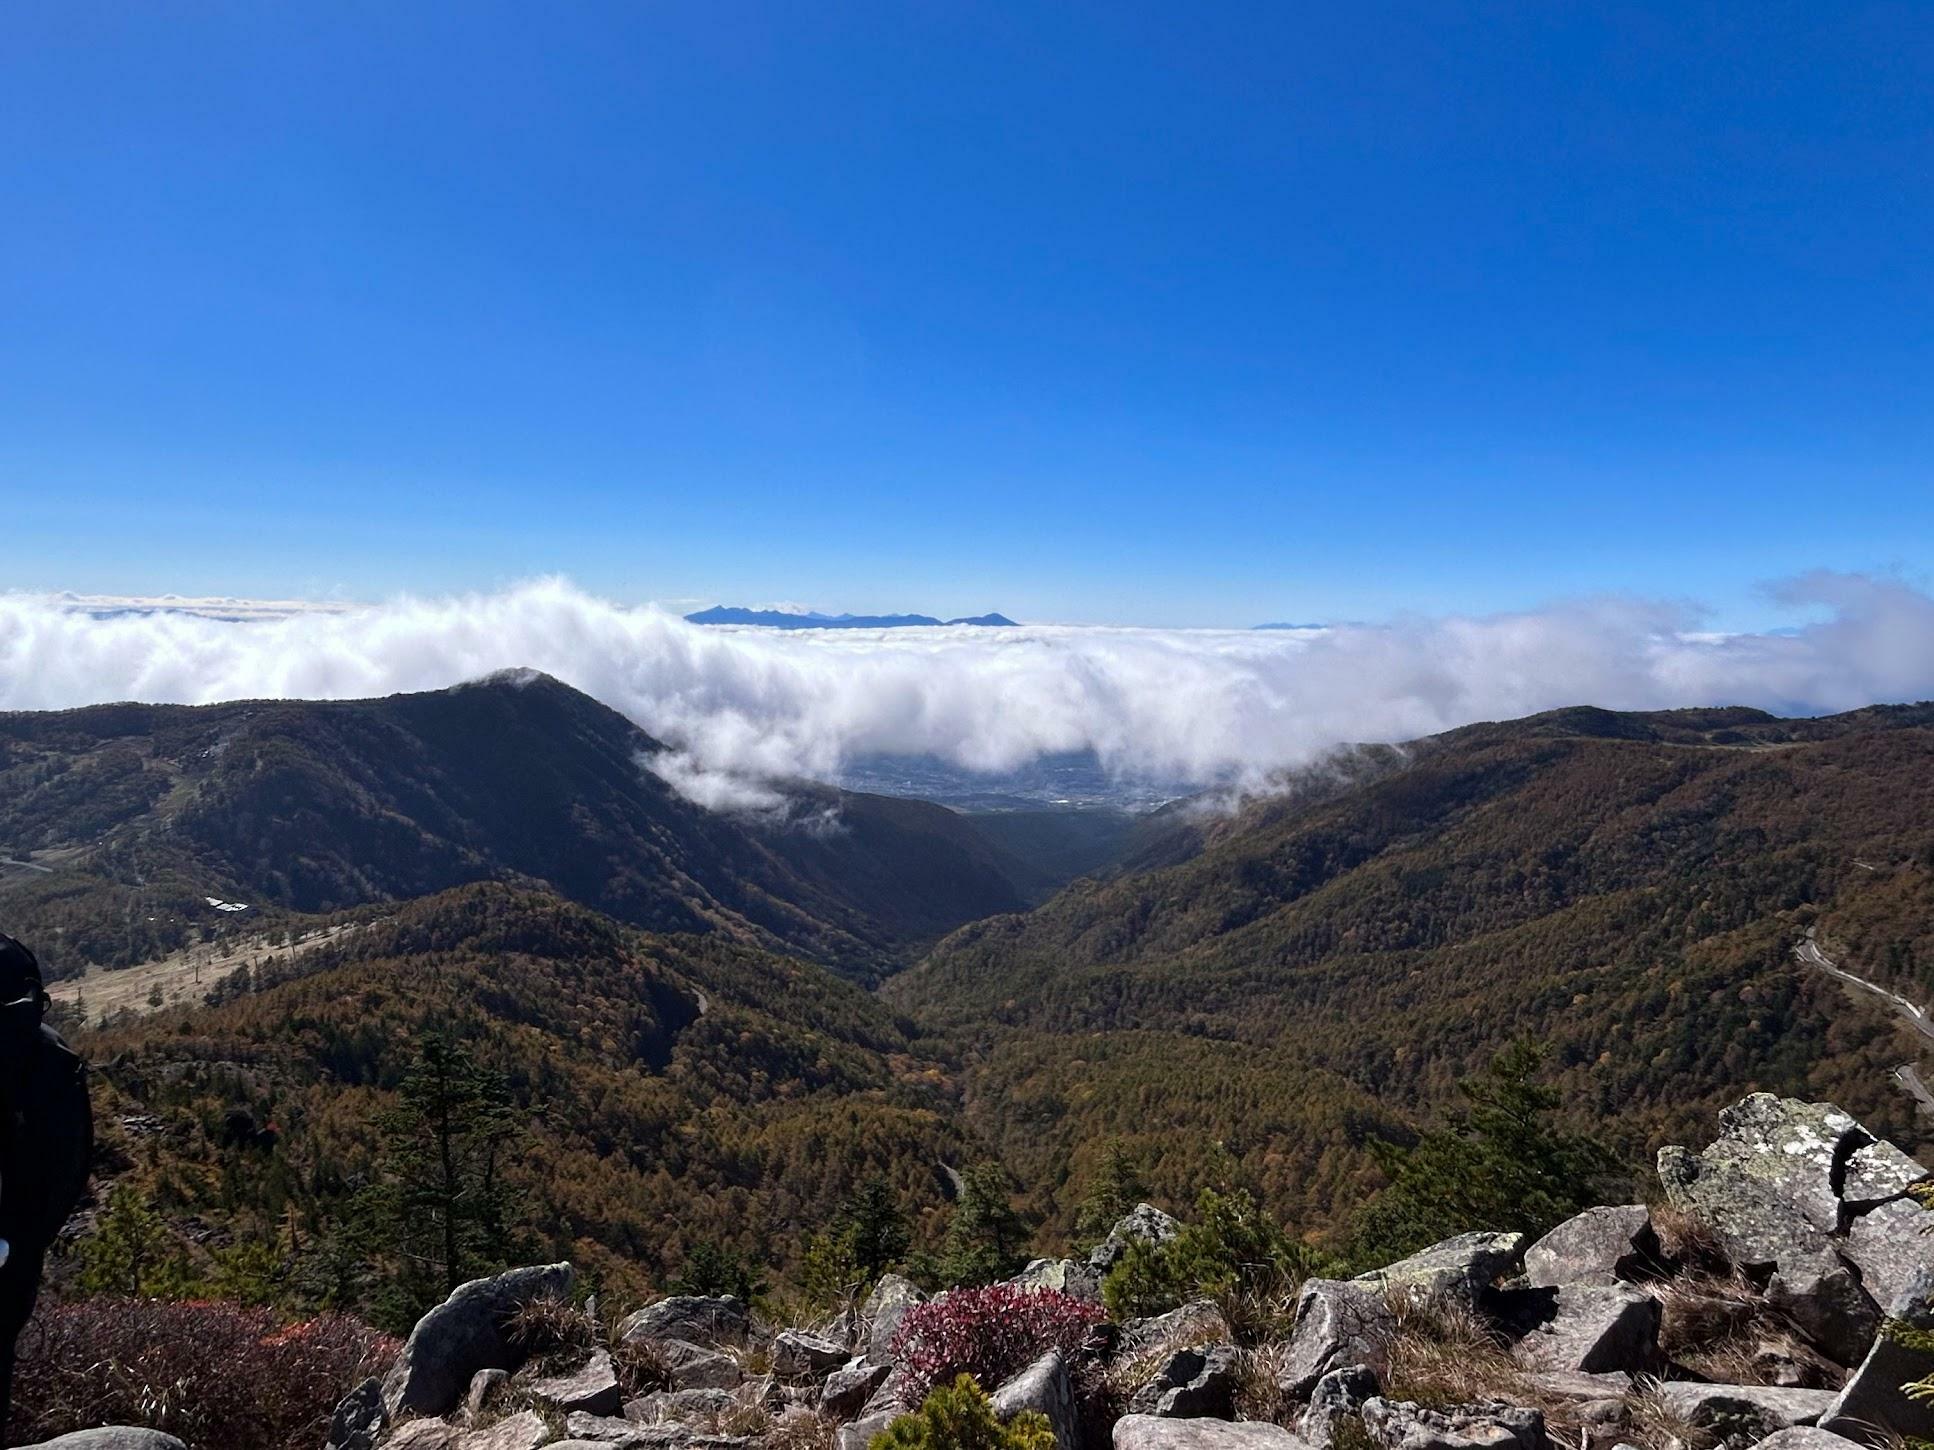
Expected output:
(744, 706)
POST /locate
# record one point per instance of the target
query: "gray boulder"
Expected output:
(1824, 1297)
(695, 1367)
(848, 1388)
(485, 1385)
(1806, 1437)
(883, 1310)
(463, 1334)
(1460, 1267)
(1339, 1395)
(1744, 1413)
(423, 1435)
(1598, 1330)
(1150, 1432)
(1872, 1395)
(1599, 1246)
(707, 1319)
(1192, 1383)
(797, 1355)
(1197, 1322)
(523, 1431)
(1889, 1244)
(859, 1435)
(592, 1388)
(359, 1418)
(111, 1437)
(1485, 1425)
(1336, 1325)
(1144, 1223)
(596, 1432)
(1045, 1389)
(1073, 1277)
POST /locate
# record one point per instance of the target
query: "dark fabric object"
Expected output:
(19, 970)
(19, 1286)
(46, 1129)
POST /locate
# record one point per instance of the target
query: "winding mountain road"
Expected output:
(1907, 1075)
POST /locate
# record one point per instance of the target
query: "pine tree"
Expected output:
(874, 1227)
(986, 1234)
(1500, 1164)
(443, 1202)
(1113, 1191)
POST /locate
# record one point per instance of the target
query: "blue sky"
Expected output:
(1130, 313)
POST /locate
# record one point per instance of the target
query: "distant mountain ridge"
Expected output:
(117, 822)
(812, 619)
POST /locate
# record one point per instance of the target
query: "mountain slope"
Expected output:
(134, 814)
(669, 1091)
(1628, 887)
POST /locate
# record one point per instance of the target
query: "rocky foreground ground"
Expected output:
(1780, 1294)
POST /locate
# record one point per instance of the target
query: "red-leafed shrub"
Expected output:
(217, 1375)
(989, 1333)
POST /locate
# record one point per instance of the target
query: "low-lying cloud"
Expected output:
(742, 706)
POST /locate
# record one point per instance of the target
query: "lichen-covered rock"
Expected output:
(883, 1310)
(1150, 1432)
(596, 1432)
(1336, 1325)
(1872, 1395)
(463, 1334)
(1144, 1223)
(111, 1437)
(1597, 1329)
(1484, 1425)
(1599, 1246)
(860, 1434)
(663, 1407)
(1043, 1388)
(422, 1435)
(1460, 1267)
(706, 1319)
(1073, 1277)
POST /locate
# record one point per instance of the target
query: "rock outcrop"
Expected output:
(464, 1334)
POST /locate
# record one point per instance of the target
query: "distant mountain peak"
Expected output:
(813, 619)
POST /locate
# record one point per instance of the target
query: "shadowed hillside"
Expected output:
(123, 819)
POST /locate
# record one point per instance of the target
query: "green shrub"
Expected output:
(1233, 1248)
(960, 1417)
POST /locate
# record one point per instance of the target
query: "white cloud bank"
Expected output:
(1199, 705)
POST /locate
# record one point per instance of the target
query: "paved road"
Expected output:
(1907, 1075)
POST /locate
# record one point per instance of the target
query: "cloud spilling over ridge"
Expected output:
(744, 705)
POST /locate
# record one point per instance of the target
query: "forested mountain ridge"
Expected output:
(1627, 887)
(660, 1093)
(128, 816)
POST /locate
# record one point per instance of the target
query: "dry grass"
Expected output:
(1686, 1242)
(803, 1431)
(1259, 1390)
(1721, 1327)
(1118, 1383)
(554, 1334)
(1442, 1352)
(640, 1368)
(1657, 1426)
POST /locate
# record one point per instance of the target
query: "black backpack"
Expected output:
(47, 1140)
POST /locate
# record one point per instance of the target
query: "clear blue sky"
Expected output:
(1186, 314)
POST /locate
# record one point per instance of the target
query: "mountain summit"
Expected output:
(812, 619)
